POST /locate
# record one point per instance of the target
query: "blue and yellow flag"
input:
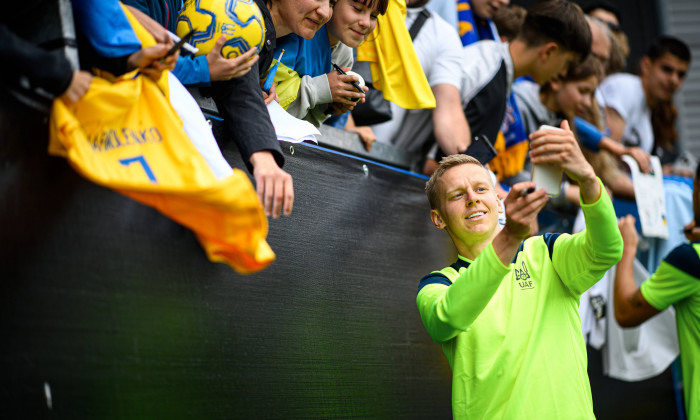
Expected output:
(472, 28)
(395, 68)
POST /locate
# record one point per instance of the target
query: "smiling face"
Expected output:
(663, 76)
(469, 205)
(351, 23)
(302, 17)
(575, 97)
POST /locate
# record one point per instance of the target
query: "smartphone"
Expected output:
(481, 149)
(547, 176)
(181, 43)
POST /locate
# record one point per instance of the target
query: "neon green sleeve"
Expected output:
(448, 310)
(582, 259)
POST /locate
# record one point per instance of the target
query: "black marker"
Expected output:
(530, 190)
(354, 83)
(179, 44)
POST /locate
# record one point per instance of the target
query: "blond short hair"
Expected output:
(432, 187)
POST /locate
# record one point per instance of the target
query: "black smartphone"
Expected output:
(180, 43)
(481, 149)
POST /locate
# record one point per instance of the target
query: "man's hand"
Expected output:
(270, 96)
(79, 84)
(274, 186)
(521, 214)
(342, 88)
(630, 238)
(221, 68)
(561, 148)
(148, 60)
(522, 208)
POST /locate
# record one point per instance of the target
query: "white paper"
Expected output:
(649, 195)
(289, 128)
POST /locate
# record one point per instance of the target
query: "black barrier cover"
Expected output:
(114, 310)
(110, 310)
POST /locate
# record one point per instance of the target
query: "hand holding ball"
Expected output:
(359, 84)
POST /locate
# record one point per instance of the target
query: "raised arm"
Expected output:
(631, 309)
(581, 259)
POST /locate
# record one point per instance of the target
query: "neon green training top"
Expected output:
(512, 334)
(677, 282)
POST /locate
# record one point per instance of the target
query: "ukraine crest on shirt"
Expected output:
(150, 141)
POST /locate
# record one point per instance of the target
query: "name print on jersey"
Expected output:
(113, 139)
(523, 277)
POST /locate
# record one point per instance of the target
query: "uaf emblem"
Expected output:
(523, 277)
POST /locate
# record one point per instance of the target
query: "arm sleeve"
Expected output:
(246, 120)
(588, 134)
(582, 259)
(49, 70)
(677, 277)
(448, 310)
(192, 71)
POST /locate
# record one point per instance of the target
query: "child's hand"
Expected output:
(272, 95)
(342, 90)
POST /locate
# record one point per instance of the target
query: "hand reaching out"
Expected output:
(151, 61)
(274, 185)
(79, 84)
(630, 238)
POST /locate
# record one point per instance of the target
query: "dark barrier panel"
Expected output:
(114, 311)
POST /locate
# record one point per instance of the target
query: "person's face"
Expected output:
(600, 45)
(486, 9)
(606, 17)
(575, 97)
(469, 204)
(351, 23)
(664, 76)
(553, 62)
(302, 17)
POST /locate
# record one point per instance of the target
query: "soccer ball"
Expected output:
(240, 20)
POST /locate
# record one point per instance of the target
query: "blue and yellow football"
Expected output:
(240, 20)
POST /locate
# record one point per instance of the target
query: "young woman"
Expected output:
(307, 85)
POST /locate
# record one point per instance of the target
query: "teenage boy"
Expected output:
(506, 312)
(676, 282)
(554, 34)
(630, 101)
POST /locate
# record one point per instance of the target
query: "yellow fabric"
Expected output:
(126, 136)
(395, 68)
(288, 84)
(510, 161)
